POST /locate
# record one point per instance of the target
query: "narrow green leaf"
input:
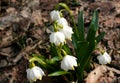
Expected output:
(83, 55)
(53, 50)
(95, 20)
(99, 37)
(81, 26)
(74, 41)
(58, 73)
(85, 48)
(82, 51)
(89, 47)
(91, 33)
(93, 28)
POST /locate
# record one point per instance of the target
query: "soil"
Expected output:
(24, 30)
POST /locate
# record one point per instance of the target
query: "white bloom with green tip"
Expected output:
(55, 15)
(67, 31)
(104, 59)
(62, 22)
(68, 63)
(35, 73)
(57, 38)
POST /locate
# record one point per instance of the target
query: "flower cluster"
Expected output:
(62, 29)
(61, 32)
(62, 53)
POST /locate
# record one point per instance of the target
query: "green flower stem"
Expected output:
(55, 26)
(61, 15)
(102, 51)
(32, 64)
(67, 8)
(39, 60)
(59, 51)
(64, 53)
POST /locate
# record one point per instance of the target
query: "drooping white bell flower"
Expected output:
(57, 38)
(68, 63)
(55, 15)
(62, 22)
(35, 73)
(67, 31)
(104, 59)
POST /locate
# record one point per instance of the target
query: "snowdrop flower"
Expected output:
(35, 73)
(104, 59)
(67, 31)
(62, 22)
(68, 63)
(55, 15)
(57, 38)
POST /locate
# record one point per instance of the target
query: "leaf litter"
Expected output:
(23, 31)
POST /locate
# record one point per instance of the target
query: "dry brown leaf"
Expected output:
(100, 74)
(26, 12)
(36, 17)
(34, 4)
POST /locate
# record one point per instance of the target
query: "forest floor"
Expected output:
(24, 30)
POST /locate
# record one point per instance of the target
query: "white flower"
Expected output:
(57, 38)
(35, 73)
(104, 59)
(55, 15)
(68, 62)
(67, 31)
(62, 22)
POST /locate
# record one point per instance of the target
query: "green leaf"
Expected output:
(58, 73)
(53, 50)
(81, 26)
(99, 37)
(91, 34)
(95, 20)
(82, 51)
(82, 55)
(74, 41)
(93, 28)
